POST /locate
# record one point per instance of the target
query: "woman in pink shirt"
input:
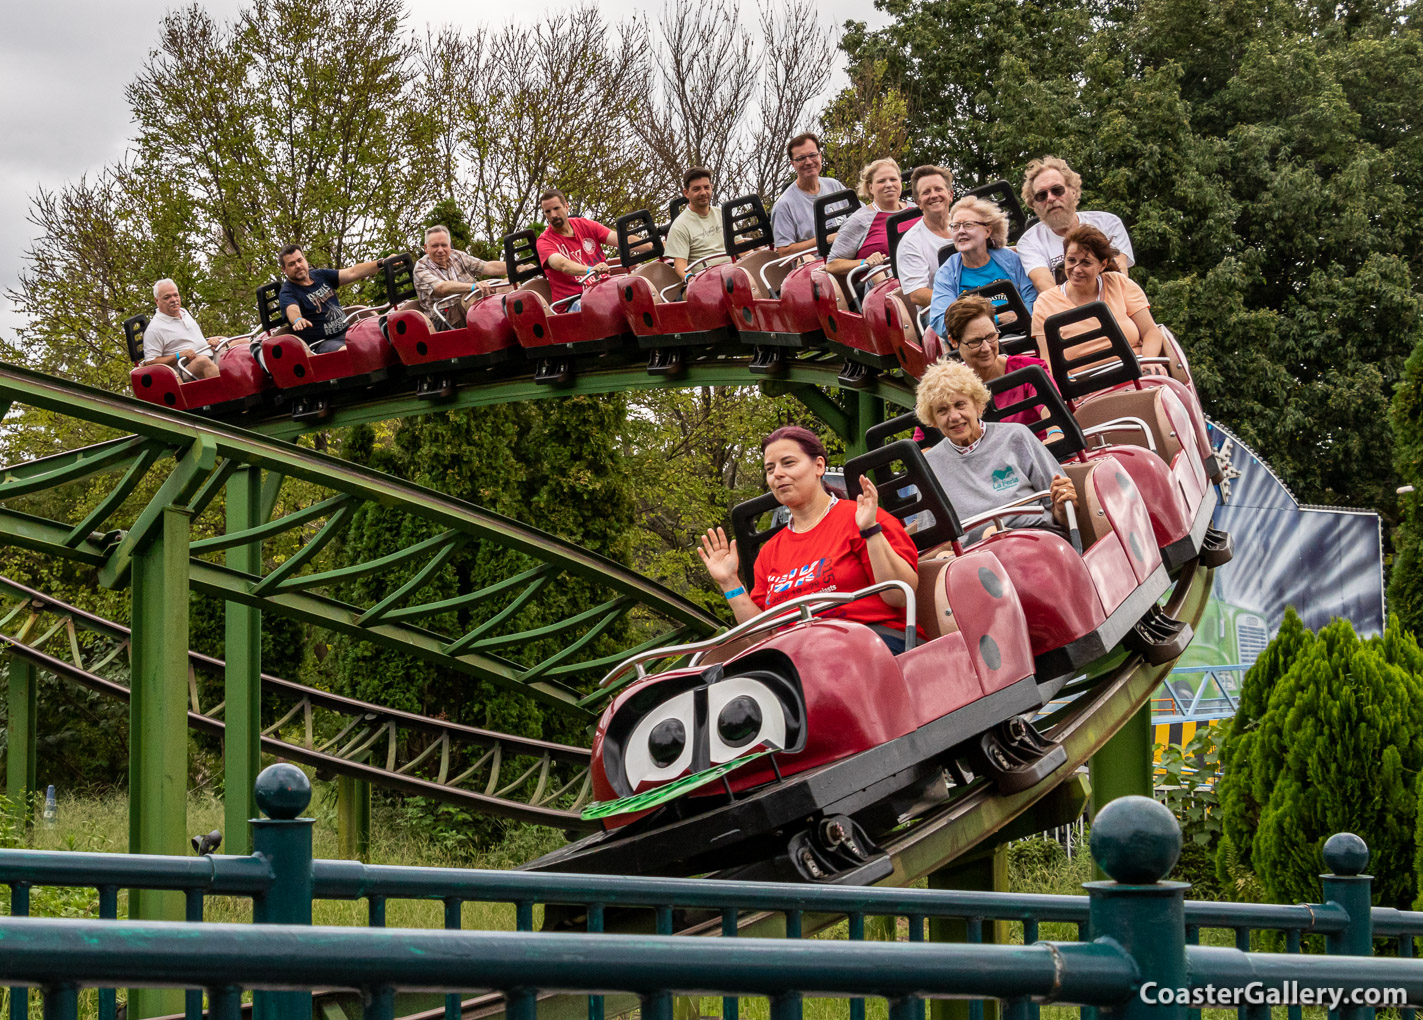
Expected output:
(1092, 275)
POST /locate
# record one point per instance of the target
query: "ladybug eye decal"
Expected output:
(743, 712)
(660, 745)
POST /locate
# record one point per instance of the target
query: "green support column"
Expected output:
(242, 678)
(158, 725)
(1123, 766)
(353, 817)
(20, 762)
(868, 410)
(985, 871)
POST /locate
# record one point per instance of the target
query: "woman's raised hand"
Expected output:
(866, 504)
(720, 557)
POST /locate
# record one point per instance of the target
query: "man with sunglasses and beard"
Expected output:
(1051, 188)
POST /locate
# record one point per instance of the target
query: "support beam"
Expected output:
(353, 817)
(822, 405)
(158, 724)
(20, 761)
(1124, 765)
(866, 410)
(984, 871)
(242, 674)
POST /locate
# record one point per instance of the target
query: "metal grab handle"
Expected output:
(866, 271)
(563, 301)
(1118, 425)
(803, 606)
(1000, 511)
(688, 274)
(356, 313)
(777, 262)
(1073, 535)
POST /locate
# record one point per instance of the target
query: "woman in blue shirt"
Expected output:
(979, 230)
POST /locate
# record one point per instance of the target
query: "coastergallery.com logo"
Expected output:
(1257, 993)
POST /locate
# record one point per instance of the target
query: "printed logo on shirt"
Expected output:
(589, 246)
(807, 578)
(1005, 478)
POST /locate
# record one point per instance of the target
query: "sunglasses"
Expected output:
(1056, 191)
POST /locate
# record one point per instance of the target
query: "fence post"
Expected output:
(282, 793)
(1347, 855)
(1136, 842)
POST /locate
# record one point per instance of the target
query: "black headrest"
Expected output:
(749, 538)
(521, 257)
(945, 252)
(831, 211)
(638, 230)
(133, 336)
(745, 225)
(269, 305)
(675, 207)
(877, 435)
(1017, 338)
(1119, 364)
(893, 486)
(1001, 194)
(895, 227)
(400, 279)
(1045, 398)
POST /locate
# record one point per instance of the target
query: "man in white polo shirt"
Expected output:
(172, 333)
(793, 216)
(1052, 189)
(917, 257)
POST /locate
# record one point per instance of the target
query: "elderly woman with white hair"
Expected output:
(985, 465)
(979, 231)
(863, 239)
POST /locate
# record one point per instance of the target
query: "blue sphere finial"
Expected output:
(282, 791)
(1136, 841)
(1346, 854)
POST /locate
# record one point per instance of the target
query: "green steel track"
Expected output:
(489, 773)
(476, 633)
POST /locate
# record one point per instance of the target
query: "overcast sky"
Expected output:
(64, 65)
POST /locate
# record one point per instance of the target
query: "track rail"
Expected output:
(407, 601)
(491, 773)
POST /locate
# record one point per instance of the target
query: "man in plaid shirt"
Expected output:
(445, 271)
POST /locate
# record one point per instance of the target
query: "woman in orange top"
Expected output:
(1092, 275)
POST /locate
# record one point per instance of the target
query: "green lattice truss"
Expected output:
(196, 459)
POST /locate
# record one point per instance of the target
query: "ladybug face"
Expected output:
(694, 722)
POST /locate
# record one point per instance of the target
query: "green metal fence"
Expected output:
(1130, 932)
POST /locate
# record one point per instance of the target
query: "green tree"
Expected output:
(1239, 793)
(1338, 748)
(1405, 585)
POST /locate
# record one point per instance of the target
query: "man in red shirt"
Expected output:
(569, 248)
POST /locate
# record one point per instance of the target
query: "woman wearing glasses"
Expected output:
(970, 330)
(980, 235)
(862, 241)
(1092, 275)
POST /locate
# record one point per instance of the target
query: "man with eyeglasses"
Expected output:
(793, 216)
(1052, 189)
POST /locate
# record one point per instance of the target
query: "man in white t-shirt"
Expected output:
(917, 257)
(173, 333)
(1052, 189)
(793, 216)
(695, 238)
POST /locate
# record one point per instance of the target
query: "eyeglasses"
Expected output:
(966, 223)
(805, 158)
(976, 342)
(1056, 191)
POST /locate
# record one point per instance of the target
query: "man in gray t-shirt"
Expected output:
(1006, 463)
(793, 216)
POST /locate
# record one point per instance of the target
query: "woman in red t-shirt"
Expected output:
(831, 544)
